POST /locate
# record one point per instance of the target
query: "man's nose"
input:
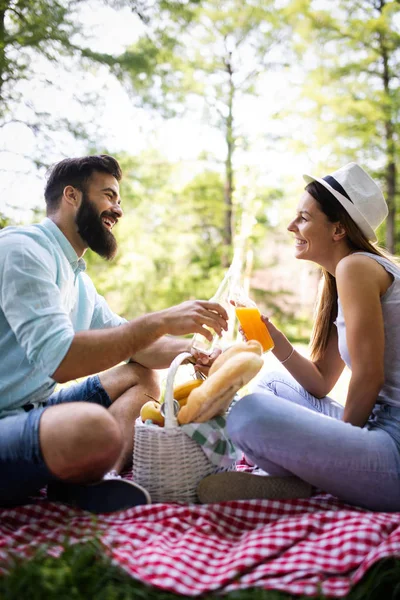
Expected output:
(118, 210)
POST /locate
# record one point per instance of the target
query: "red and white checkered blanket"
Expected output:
(296, 546)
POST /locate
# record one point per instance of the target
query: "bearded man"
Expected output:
(55, 328)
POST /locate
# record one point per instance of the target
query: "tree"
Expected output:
(44, 42)
(217, 62)
(354, 86)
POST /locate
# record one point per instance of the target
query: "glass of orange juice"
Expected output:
(249, 318)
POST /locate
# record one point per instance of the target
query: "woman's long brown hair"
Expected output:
(327, 301)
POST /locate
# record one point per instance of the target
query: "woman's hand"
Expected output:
(274, 332)
(282, 347)
(242, 333)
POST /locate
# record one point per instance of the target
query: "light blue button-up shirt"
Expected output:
(45, 297)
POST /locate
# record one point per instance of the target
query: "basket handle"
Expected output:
(170, 418)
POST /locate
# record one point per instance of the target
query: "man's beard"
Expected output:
(93, 231)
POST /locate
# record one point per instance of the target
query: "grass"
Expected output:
(83, 572)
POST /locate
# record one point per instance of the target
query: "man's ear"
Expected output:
(72, 195)
(339, 232)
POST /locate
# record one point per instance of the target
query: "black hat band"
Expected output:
(336, 186)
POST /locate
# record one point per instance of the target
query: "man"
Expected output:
(54, 327)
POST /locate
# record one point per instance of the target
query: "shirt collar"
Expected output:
(77, 264)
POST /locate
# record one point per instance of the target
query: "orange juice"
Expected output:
(253, 327)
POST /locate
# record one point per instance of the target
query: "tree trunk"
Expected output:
(390, 170)
(228, 187)
(2, 51)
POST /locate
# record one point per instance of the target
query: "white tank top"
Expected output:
(390, 301)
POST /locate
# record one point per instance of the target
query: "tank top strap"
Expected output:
(385, 262)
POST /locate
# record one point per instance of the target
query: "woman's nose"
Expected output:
(291, 226)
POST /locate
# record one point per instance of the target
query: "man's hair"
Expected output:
(76, 172)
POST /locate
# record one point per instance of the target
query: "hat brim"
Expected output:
(348, 206)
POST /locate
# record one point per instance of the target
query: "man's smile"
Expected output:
(109, 222)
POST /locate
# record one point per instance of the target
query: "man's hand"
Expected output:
(97, 350)
(192, 316)
(202, 362)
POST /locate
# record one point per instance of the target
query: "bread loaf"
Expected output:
(250, 346)
(216, 393)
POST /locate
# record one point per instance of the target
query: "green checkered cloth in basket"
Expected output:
(214, 440)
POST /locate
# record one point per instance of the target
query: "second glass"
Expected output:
(249, 318)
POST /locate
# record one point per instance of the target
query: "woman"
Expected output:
(288, 426)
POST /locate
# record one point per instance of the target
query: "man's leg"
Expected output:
(122, 390)
(75, 442)
(74, 438)
(128, 387)
(80, 442)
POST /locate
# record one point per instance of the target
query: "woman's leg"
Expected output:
(358, 465)
(284, 386)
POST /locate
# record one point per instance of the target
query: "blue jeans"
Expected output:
(22, 468)
(287, 431)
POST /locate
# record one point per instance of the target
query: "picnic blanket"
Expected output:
(295, 546)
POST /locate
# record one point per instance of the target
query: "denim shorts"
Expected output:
(22, 469)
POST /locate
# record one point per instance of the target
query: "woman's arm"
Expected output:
(318, 377)
(360, 282)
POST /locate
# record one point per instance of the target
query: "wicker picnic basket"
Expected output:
(167, 462)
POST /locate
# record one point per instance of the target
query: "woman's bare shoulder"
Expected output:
(358, 269)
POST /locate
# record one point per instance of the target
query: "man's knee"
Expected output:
(147, 381)
(119, 380)
(148, 378)
(79, 441)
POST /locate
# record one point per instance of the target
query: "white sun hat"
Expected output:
(358, 194)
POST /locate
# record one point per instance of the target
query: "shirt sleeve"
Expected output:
(31, 302)
(103, 317)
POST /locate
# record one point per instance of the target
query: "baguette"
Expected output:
(216, 393)
(250, 346)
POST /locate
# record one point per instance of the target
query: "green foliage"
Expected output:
(29, 29)
(84, 572)
(207, 65)
(81, 572)
(352, 87)
(4, 221)
(41, 40)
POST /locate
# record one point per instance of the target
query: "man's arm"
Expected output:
(162, 352)
(32, 303)
(98, 350)
(158, 355)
